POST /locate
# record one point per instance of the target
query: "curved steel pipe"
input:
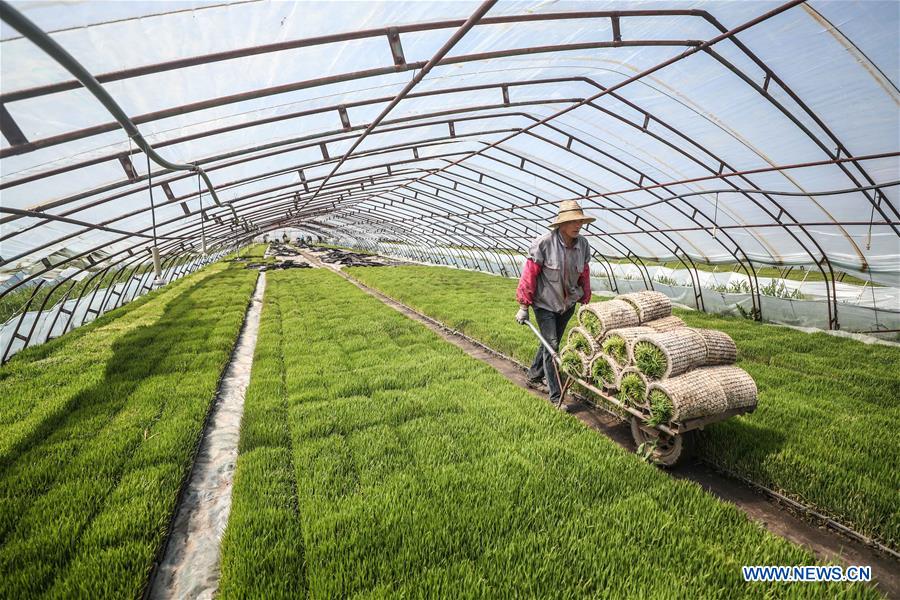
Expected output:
(38, 37)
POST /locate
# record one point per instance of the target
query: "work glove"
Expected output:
(522, 315)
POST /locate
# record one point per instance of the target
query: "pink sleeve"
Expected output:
(528, 282)
(585, 280)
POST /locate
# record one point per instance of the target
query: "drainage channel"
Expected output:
(762, 505)
(190, 563)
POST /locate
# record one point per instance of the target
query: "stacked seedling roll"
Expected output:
(632, 386)
(665, 324)
(671, 353)
(668, 354)
(581, 340)
(648, 305)
(573, 362)
(720, 348)
(617, 342)
(688, 396)
(739, 387)
(634, 346)
(600, 317)
(604, 371)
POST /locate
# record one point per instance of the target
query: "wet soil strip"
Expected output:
(827, 545)
(190, 564)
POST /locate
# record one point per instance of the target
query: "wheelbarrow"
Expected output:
(663, 444)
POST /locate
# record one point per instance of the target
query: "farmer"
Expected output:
(555, 277)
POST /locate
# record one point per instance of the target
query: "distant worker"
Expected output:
(555, 277)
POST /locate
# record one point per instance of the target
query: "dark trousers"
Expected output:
(551, 325)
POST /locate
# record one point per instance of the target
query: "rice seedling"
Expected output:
(617, 342)
(104, 427)
(591, 323)
(660, 408)
(616, 347)
(681, 350)
(602, 372)
(580, 340)
(571, 361)
(632, 389)
(822, 399)
(666, 280)
(697, 393)
(650, 359)
(394, 465)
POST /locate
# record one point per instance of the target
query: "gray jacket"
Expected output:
(557, 287)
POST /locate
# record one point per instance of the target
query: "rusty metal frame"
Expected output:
(396, 48)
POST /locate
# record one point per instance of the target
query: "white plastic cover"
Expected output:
(789, 90)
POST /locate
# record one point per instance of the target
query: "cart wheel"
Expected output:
(665, 450)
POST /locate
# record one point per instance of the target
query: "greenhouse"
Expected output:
(449, 299)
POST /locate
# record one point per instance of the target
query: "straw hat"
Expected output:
(570, 210)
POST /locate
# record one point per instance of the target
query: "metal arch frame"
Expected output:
(23, 145)
(518, 208)
(462, 222)
(469, 241)
(443, 234)
(104, 225)
(776, 221)
(162, 183)
(613, 114)
(391, 33)
(452, 237)
(493, 85)
(704, 47)
(652, 229)
(415, 216)
(293, 115)
(481, 237)
(316, 142)
(418, 76)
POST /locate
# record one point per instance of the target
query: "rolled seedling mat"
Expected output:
(720, 348)
(604, 371)
(697, 393)
(617, 342)
(573, 362)
(739, 387)
(581, 339)
(668, 354)
(649, 305)
(633, 387)
(600, 317)
(665, 324)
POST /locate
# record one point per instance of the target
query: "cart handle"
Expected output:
(545, 343)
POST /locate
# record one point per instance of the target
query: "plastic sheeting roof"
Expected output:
(775, 145)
